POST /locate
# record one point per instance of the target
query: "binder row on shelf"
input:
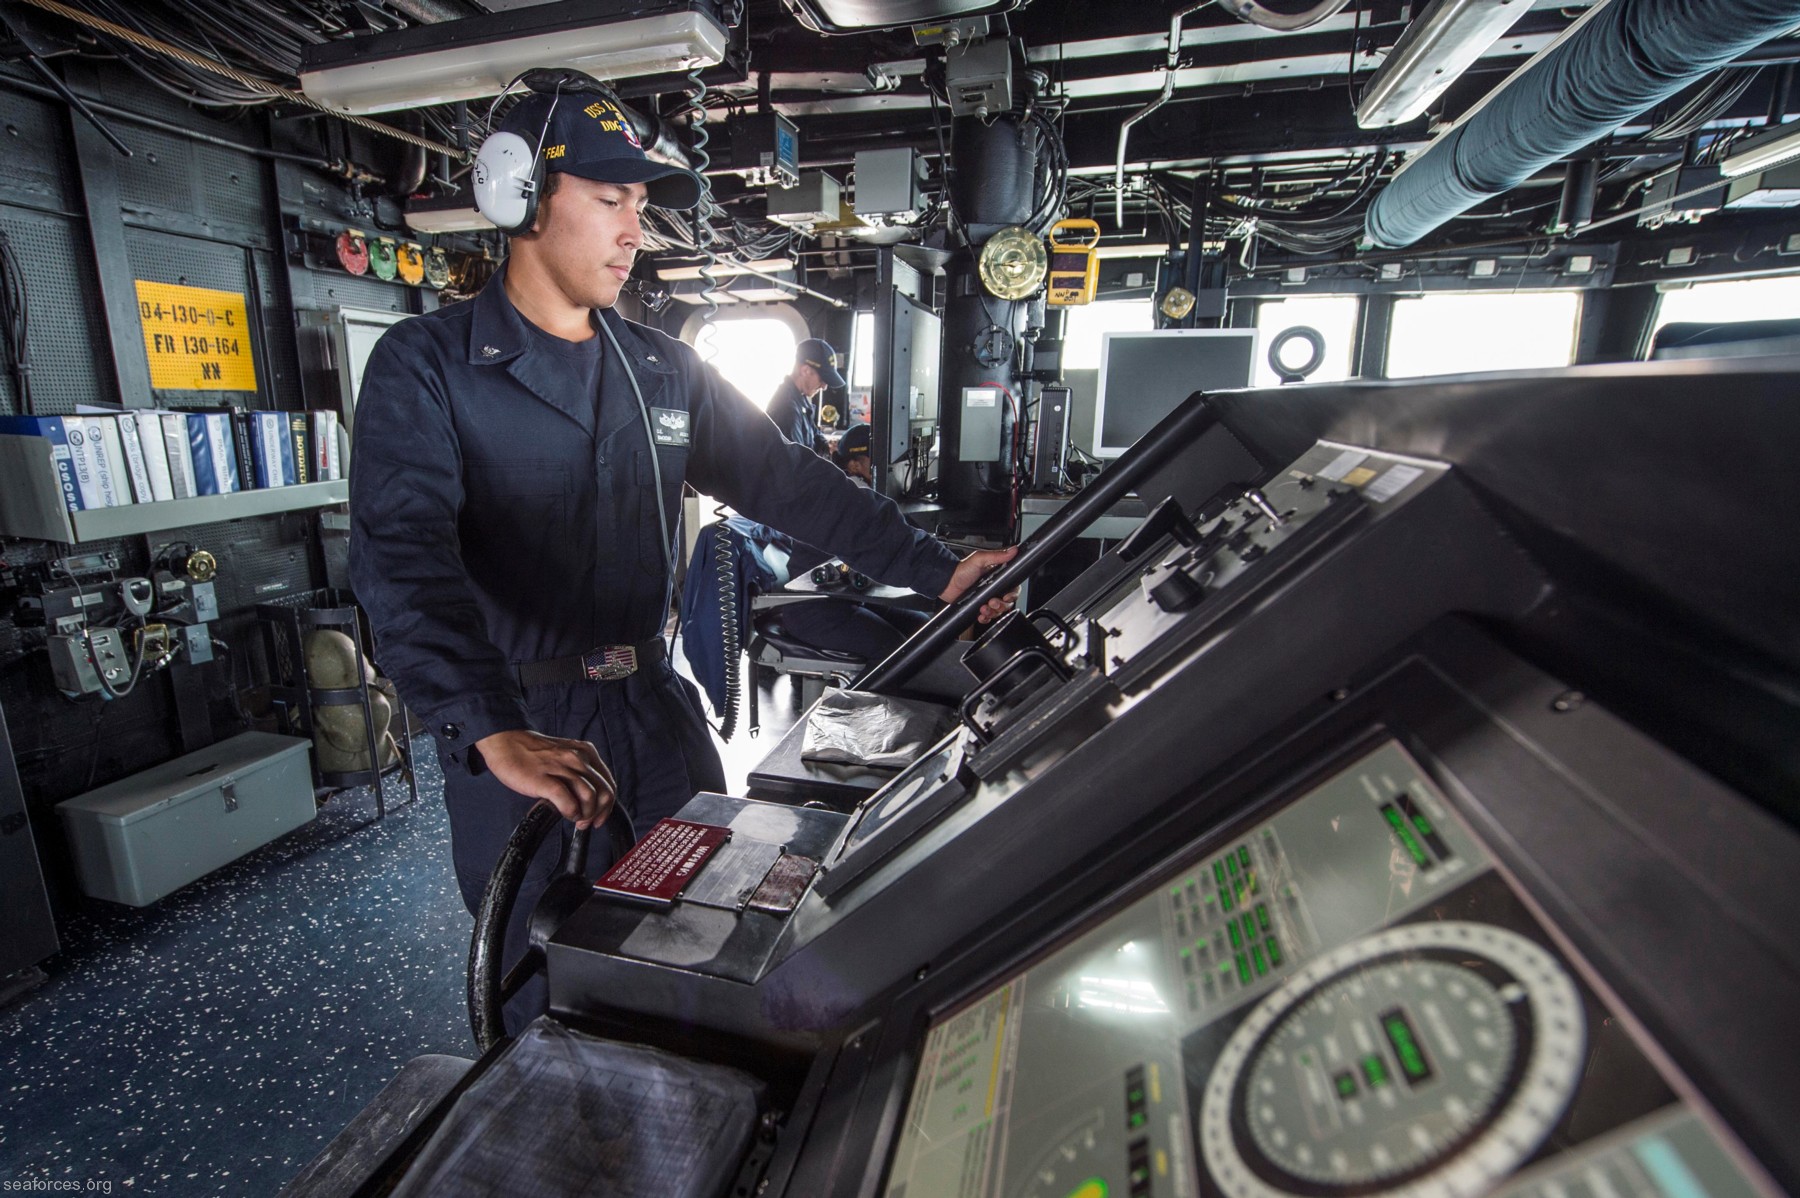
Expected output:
(115, 459)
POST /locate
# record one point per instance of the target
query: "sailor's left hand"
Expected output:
(971, 570)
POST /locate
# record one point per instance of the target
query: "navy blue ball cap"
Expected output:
(856, 441)
(590, 137)
(821, 357)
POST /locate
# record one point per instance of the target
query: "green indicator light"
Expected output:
(1346, 1084)
(1244, 855)
(1254, 884)
(1243, 966)
(1421, 823)
(1374, 1071)
(1219, 872)
(1274, 951)
(1237, 888)
(1262, 917)
(1249, 925)
(1225, 899)
(1406, 1046)
(1209, 900)
(1175, 893)
(1256, 954)
(1407, 839)
(1224, 969)
(1232, 865)
(1237, 941)
(1193, 884)
(1186, 953)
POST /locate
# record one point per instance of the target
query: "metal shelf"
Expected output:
(31, 503)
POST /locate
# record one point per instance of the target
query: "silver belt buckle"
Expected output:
(609, 663)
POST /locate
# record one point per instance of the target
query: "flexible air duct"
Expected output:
(1620, 59)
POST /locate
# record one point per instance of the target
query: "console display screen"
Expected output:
(1346, 999)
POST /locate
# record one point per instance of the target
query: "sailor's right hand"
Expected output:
(567, 773)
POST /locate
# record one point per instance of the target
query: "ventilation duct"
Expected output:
(1620, 59)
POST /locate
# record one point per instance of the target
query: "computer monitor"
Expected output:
(1143, 376)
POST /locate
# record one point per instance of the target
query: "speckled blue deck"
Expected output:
(213, 1043)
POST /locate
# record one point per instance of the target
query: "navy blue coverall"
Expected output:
(496, 521)
(792, 413)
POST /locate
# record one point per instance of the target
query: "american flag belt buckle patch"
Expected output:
(610, 663)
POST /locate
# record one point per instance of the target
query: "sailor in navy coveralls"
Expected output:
(505, 534)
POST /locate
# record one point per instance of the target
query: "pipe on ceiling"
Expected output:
(1621, 58)
(1168, 89)
(428, 12)
(1257, 13)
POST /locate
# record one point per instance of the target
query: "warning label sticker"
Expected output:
(196, 339)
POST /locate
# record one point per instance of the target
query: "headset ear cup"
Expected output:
(504, 177)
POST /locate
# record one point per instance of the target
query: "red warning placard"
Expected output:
(665, 861)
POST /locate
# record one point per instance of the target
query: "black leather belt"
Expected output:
(608, 663)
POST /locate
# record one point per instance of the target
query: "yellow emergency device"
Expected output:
(1074, 263)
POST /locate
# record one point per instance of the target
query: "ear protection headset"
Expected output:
(508, 172)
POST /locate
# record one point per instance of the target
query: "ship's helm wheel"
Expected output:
(488, 990)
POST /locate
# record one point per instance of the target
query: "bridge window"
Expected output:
(1457, 334)
(1081, 338)
(1737, 299)
(1333, 316)
(753, 354)
(861, 374)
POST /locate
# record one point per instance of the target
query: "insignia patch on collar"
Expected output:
(669, 426)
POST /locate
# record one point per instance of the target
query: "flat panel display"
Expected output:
(1346, 999)
(1143, 376)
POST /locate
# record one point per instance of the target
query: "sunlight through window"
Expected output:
(753, 355)
(1458, 334)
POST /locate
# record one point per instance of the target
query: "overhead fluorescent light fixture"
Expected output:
(476, 57)
(726, 270)
(1441, 43)
(1780, 144)
(866, 16)
(447, 214)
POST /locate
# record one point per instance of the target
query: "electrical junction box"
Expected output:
(1660, 204)
(816, 200)
(979, 78)
(980, 438)
(887, 184)
(77, 661)
(145, 836)
(766, 146)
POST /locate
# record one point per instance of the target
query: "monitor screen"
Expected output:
(1143, 376)
(1345, 999)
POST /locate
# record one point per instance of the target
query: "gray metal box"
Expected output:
(980, 439)
(978, 77)
(887, 183)
(150, 834)
(815, 201)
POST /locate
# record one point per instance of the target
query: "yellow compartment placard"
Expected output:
(196, 339)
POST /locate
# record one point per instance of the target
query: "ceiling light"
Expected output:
(1780, 144)
(723, 270)
(1484, 268)
(475, 57)
(1436, 48)
(445, 214)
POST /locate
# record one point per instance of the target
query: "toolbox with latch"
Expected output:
(143, 837)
